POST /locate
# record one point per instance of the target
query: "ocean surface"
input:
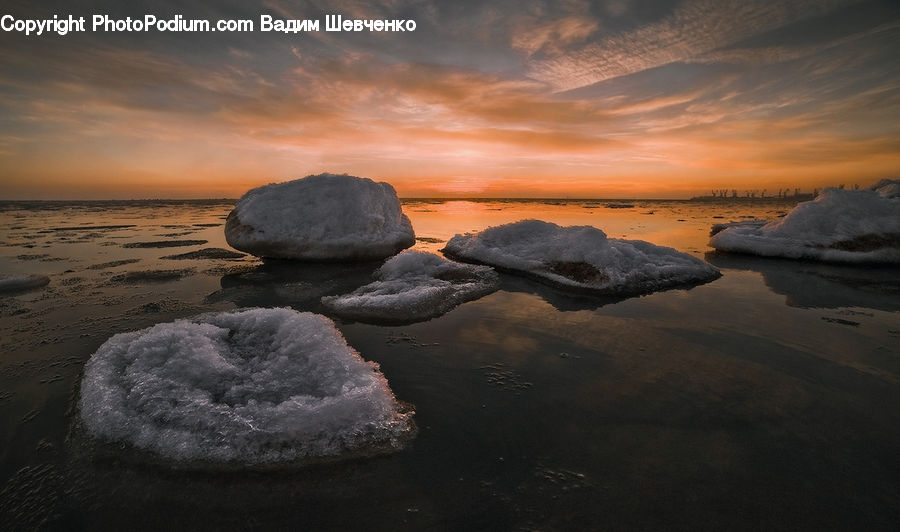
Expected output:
(768, 399)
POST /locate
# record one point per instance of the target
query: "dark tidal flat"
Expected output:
(768, 399)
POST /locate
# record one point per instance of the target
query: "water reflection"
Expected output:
(563, 301)
(283, 283)
(819, 285)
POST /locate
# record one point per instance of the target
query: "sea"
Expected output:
(768, 399)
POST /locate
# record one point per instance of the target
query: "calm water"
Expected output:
(767, 399)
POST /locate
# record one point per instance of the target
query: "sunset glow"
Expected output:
(485, 99)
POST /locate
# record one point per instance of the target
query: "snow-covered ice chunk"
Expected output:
(718, 228)
(250, 386)
(320, 217)
(887, 188)
(15, 282)
(580, 258)
(837, 226)
(414, 286)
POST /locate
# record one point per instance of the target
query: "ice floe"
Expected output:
(206, 253)
(15, 282)
(838, 226)
(580, 258)
(251, 386)
(164, 244)
(112, 264)
(414, 286)
(320, 217)
(151, 276)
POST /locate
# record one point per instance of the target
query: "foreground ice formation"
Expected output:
(320, 217)
(414, 286)
(15, 282)
(251, 386)
(580, 258)
(837, 226)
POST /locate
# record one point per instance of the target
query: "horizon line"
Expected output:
(440, 198)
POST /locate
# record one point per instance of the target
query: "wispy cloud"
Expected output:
(698, 27)
(767, 55)
(552, 36)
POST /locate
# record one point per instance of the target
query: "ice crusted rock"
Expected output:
(414, 286)
(887, 188)
(322, 217)
(15, 282)
(580, 258)
(251, 386)
(837, 226)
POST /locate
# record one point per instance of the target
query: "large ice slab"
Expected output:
(24, 281)
(837, 226)
(581, 258)
(320, 217)
(414, 286)
(251, 386)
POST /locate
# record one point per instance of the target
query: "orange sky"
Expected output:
(487, 99)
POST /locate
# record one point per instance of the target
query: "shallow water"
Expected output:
(767, 399)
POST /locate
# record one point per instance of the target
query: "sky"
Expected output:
(510, 98)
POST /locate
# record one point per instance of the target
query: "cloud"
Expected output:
(552, 36)
(768, 55)
(695, 28)
(440, 94)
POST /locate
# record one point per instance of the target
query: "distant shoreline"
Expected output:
(551, 201)
(796, 198)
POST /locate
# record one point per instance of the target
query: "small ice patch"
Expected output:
(164, 244)
(151, 276)
(251, 386)
(206, 253)
(15, 282)
(112, 264)
(580, 258)
(838, 226)
(414, 286)
(320, 217)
